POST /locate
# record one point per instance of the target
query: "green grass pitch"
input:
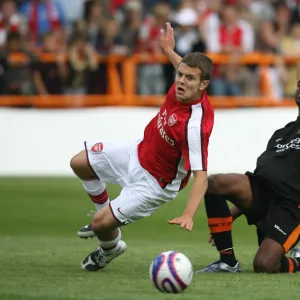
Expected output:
(40, 252)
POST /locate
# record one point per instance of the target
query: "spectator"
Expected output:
(43, 16)
(93, 23)
(130, 26)
(102, 31)
(235, 38)
(274, 29)
(151, 76)
(10, 21)
(19, 66)
(110, 40)
(272, 33)
(83, 64)
(209, 18)
(246, 13)
(290, 47)
(53, 71)
(187, 35)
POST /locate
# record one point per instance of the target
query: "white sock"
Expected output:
(110, 244)
(96, 188)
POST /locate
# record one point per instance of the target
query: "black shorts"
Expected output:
(279, 217)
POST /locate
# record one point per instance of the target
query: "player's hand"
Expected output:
(184, 221)
(166, 39)
(211, 240)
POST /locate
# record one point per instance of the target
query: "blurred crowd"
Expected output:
(82, 30)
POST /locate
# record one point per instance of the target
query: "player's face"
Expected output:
(188, 83)
(297, 94)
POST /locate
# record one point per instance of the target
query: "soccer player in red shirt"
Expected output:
(151, 170)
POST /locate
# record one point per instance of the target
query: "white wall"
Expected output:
(41, 142)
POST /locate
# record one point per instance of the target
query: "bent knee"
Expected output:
(105, 221)
(217, 184)
(100, 224)
(264, 265)
(229, 184)
(77, 161)
(81, 167)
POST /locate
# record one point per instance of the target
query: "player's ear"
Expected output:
(203, 85)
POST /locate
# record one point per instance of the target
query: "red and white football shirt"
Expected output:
(176, 141)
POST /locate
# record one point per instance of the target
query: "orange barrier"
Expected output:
(76, 101)
(122, 85)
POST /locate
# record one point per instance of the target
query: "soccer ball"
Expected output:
(171, 272)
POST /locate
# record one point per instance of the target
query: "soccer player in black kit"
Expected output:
(269, 198)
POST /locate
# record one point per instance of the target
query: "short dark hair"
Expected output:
(200, 61)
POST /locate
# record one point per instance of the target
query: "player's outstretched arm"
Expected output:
(198, 190)
(167, 43)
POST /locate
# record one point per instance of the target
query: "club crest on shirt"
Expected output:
(172, 120)
(97, 147)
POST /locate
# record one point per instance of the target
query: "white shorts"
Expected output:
(118, 163)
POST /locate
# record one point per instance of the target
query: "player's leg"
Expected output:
(139, 199)
(237, 189)
(98, 164)
(95, 188)
(270, 258)
(106, 227)
(236, 213)
(282, 231)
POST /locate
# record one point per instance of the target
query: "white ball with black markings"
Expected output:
(171, 272)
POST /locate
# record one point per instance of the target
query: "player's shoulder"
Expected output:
(205, 104)
(279, 132)
(292, 123)
(288, 126)
(203, 109)
(275, 134)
